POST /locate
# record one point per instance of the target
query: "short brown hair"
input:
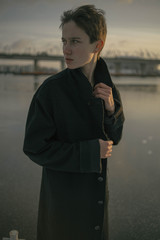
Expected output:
(88, 18)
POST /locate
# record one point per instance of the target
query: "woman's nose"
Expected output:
(67, 49)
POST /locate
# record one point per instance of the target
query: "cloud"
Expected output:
(126, 1)
(21, 43)
(5, 3)
(32, 46)
(18, 46)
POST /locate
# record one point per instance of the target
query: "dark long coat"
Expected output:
(63, 126)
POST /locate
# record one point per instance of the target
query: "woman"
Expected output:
(74, 119)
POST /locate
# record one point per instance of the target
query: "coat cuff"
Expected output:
(90, 156)
(111, 120)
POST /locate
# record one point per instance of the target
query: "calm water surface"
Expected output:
(134, 168)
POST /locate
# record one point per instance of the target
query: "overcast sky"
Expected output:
(33, 25)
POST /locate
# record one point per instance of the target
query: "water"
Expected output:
(134, 168)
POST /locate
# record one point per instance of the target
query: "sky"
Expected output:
(32, 26)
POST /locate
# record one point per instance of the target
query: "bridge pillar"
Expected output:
(153, 68)
(62, 64)
(117, 68)
(143, 69)
(35, 65)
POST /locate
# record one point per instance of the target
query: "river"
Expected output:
(133, 171)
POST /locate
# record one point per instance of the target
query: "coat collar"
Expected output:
(82, 84)
(101, 73)
(83, 89)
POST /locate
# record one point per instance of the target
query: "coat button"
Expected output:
(97, 228)
(100, 179)
(100, 202)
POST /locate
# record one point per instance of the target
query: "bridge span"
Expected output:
(116, 65)
(34, 58)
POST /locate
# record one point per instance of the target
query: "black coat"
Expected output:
(63, 126)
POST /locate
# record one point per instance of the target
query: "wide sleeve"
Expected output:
(113, 125)
(42, 147)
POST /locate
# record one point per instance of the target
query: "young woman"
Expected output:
(74, 119)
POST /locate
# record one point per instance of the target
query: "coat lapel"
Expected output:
(101, 73)
(85, 92)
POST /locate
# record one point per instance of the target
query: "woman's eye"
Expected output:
(64, 41)
(74, 41)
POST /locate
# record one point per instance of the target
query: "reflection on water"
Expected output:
(133, 168)
(144, 88)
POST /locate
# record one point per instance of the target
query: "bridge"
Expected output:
(134, 66)
(34, 58)
(116, 65)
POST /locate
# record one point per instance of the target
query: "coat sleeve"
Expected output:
(41, 146)
(113, 125)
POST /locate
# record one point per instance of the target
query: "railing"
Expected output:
(13, 236)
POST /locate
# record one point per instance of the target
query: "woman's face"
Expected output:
(77, 49)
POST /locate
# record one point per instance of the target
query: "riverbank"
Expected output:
(133, 169)
(39, 73)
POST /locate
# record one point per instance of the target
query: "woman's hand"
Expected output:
(105, 148)
(104, 92)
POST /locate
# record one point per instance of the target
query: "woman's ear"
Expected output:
(99, 46)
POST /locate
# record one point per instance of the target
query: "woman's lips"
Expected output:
(68, 60)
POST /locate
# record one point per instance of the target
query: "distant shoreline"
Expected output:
(53, 73)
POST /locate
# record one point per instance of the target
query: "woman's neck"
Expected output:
(88, 70)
